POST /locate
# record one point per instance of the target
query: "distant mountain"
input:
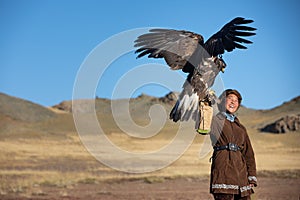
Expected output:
(137, 105)
(289, 107)
(22, 110)
(19, 118)
(283, 118)
(15, 110)
(260, 119)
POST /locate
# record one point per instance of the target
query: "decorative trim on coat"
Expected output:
(245, 188)
(224, 186)
(252, 178)
(233, 187)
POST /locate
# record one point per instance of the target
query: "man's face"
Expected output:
(232, 103)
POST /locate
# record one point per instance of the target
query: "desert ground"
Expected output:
(46, 159)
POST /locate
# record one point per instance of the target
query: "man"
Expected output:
(233, 169)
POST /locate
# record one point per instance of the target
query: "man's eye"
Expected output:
(232, 99)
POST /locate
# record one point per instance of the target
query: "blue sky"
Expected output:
(44, 43)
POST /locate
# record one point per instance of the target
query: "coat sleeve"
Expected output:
(250, 161)
(216, 129)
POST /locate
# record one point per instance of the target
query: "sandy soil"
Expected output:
(180, 188)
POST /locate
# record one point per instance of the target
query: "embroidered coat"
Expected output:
(231, 171)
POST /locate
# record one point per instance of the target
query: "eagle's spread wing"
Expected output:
(176, 47)
(184, 50)
(228, 37)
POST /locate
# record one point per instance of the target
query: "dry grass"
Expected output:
(26, 164)
(50, 153)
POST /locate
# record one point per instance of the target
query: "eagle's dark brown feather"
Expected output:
(176, 47)
(227, 38)
(187, 51)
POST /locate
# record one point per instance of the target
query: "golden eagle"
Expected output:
(202, 61)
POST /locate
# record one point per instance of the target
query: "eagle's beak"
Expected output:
(223, 69)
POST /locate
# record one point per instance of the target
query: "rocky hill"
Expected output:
(262, 120)
(15, 110)
(284, 125)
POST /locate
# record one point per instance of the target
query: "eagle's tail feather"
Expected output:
(175, 112)
(185, 108)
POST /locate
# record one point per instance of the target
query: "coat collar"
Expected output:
(230, 117)
(222, 117)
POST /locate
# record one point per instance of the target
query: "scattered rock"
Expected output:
(170, 98)
(284, 125)
(64, 106)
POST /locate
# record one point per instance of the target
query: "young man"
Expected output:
(233, 169)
